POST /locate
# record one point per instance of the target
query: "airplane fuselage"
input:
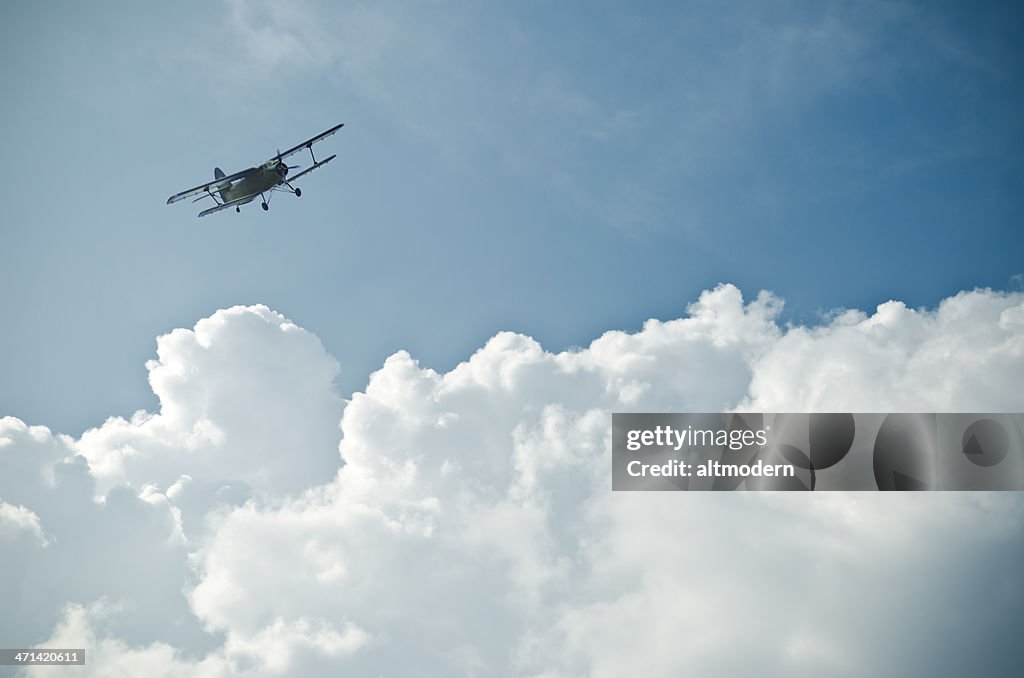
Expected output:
(260, 180)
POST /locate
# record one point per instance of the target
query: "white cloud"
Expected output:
(472, 530)
(280, 649)
(125, 546)
(276, 35)
(16, 521)
(967, 355)
(246, 396)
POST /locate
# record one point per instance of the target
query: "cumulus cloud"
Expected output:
(127, 545)
(245, 396)
(467, 526)
(301, 648)
(18, 520)
(967, 355)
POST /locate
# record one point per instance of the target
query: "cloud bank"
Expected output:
(462, 523)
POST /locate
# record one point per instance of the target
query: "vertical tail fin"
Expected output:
(219, 174)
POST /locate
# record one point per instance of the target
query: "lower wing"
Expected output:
(310, 169)
(224, 206)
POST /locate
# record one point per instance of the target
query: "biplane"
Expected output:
(235, 190)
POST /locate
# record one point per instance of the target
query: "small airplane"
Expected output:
(235, 190)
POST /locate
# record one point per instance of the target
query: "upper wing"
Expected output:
(307, 143)
(210, 184)
(313, 167)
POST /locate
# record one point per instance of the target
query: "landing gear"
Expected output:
(298, 192)
(265, 206)
(238, 209)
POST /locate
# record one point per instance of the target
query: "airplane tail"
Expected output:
(218, 173)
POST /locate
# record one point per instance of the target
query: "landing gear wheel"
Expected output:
(238, 209)
(298, 192)
(265, 206)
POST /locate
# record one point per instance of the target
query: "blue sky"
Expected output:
(558, 170)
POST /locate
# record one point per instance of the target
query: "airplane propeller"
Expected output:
(281, 168)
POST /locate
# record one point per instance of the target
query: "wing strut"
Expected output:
(308, 143)
(310, 169)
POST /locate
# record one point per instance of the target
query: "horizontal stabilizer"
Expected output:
(201, 188)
